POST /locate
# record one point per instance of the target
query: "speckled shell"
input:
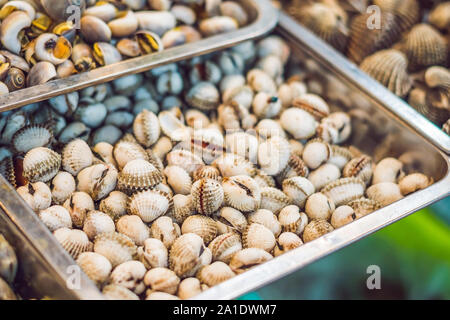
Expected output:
(414, 182)
(116, 292)
(203, 226)
(32, 136)
(130, 275)
(273, 199)
(384, 192)
(138, 175)
(126, 151)
(133, 227)
(344, 190)
(153, 254)
(232, 165)
(364, 206)
(115, 205)
(215, 273)
(165, 230)
(225, 246)
(292, 220)
(248, 258)
(116, 247)
(73, 241)
(208, 172)
(146, 128)
(78, 205)
(41, 164)
(315, 229)
(364, 41)
(96, 266)
(97, 180)
(389, 67)
(56, 217)
(188, 254)
(424, 47)
(162, 280)
(361, 167)
(267, 219)
(207, 196)
(324, 22)
(298, 189)
(241, 193)
(148, 205)
(76, 156)
(178, 179)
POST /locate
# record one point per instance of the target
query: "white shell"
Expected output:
(56, 217)
(76, 156)
(37, 195)
(96, 223)
(63, 186)
(133, 227)
(298, 189)
(273, 155)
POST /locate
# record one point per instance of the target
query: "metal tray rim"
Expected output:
(266, 20)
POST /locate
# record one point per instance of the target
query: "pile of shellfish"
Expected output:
(40, 41)
(163, 185)
(8, 270)
(408, 52)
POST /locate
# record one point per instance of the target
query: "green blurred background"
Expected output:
(413, 255)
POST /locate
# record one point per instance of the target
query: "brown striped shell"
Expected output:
(258, 236)
(203, 226)
(146, 128)
(73, 241)
(344, 190)
(407, 12)
(148, 204)
(315, 229)
(207, 195)
(273, 199)
(76, 156)
(215, 273)
(248, 258)
(41, 164)
(364, 206)
(361, 167)
(125, 151)
(208, 172)
(223, 247)
(138, 175)
(312, 104)
(389, 67)
(32, 136)
(241, 193)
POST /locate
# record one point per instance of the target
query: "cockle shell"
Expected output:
(162, 280)
(153, 254)
(231, 164)
(188, 288)
(224, 246)
(103, 151)
(319, 207)
(41, 164)
(407, 12)
(78, 205)
(258, 236)
(230, 219)
(316, 152)
(96, 223)
(183, 207)
(389, 67)
(315, 229)
(424, 46)
(203, 226)
(361, 167)
(299, 123)
(384, 192)
(267, 219)
(179, 179)
(165, 230)
(215, 273)
(364, 206)
(73, 241)
(138, 175)
(116, 292)
(76, 156)
(325, 22)
(184, 159)
(298, 189)
(37, 195)
(266, 105)
(292, 220)
(296, 167)
(32, 136)
(364, 42)
(243, 144)
(335, 128)
(260, 81)
(248, 258)
(146, 128)
(342, 216)
(274, 154)
(97, 180)
(339, 156)
(130, 275)
(287, 241)
(440, 16)
(438, 77)
(323, 175)
(207, 196)
(148, 205)
(344, 190)
(188, 254)
(133, 227)
(156, 295)
(116, 247)
(263, 179)
(241, 193)
(313, 104)
(204, 96)
(388, 170)
(114, 205)
(208, 172)
(63, 186)
(126, 151)
(96, 266)
(273, 199)
(56, 217)
(414, 182)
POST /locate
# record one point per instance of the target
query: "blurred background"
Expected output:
(413, 255)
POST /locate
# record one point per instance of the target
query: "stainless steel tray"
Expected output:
(344, 66)
(261, 12)
(389, 134)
